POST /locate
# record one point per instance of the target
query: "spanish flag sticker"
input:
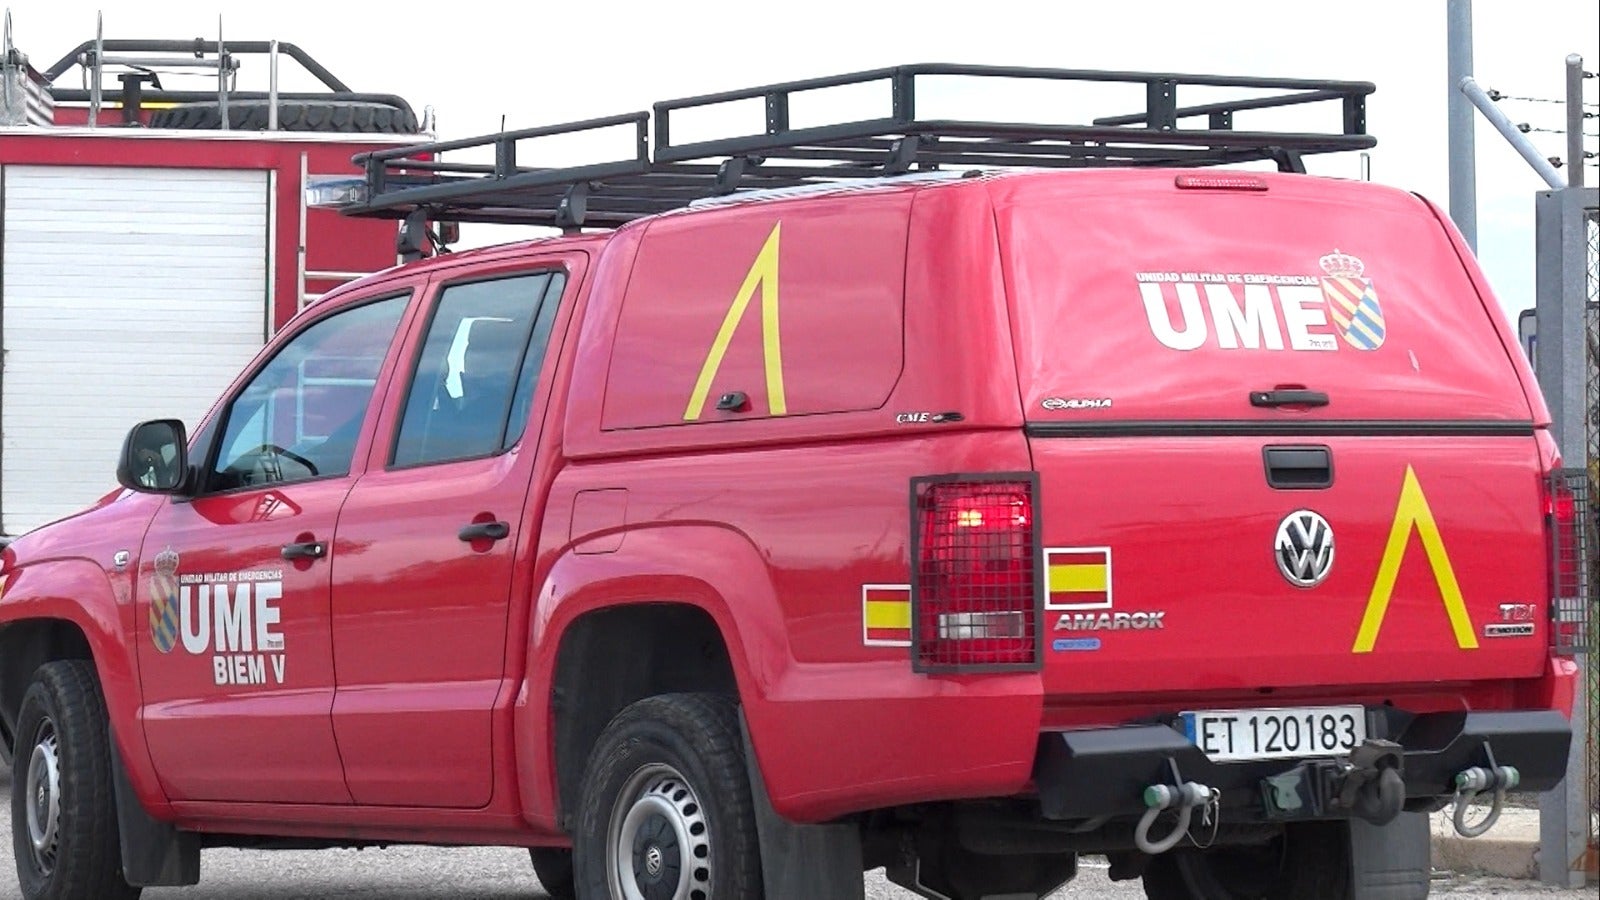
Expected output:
(886, 615)
(1077, 578)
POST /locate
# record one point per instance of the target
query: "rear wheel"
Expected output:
(1310, 861)
(63, 811)
(666, 810)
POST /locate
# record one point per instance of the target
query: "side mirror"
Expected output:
(155, 457)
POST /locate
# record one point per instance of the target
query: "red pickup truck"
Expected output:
(907, 511)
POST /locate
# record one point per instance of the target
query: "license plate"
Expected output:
(1285, 733)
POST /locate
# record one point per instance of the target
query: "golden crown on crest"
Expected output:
(167, 561)
(1342, 265)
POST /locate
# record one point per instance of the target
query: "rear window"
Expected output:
(1167, 304)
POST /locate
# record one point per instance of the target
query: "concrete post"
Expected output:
(1462, 147)
(1561, 241)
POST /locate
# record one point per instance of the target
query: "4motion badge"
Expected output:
(1304, 548)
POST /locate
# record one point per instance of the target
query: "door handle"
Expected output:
(1299, 468)
(1288, 397)
(305, 550)
(484, 531)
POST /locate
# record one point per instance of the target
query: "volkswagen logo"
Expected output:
(1304, 548)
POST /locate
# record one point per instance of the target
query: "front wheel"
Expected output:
(666, 811)
(63, 816)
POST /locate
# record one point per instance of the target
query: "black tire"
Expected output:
(62, 723)
(331, 116)
(676, 764)
(1311, 861)
(553, 867)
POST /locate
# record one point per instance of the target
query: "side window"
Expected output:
(473, 387)
(299, 417)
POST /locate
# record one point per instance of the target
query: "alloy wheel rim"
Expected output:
(659, 843)
(43, 786)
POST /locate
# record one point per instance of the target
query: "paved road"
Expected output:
(417, 873)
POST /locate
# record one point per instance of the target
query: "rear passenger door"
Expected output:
(429, 538)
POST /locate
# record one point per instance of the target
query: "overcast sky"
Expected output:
(542, 62)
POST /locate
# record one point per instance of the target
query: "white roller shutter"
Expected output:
(129, 294)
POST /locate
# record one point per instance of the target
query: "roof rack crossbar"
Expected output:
(664, 173)
(1208, 109)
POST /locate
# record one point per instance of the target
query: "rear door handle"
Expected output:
(305, 550)
(481, 531)
(1288, 397)
(1299, 468)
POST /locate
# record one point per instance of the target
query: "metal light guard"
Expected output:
(1573, 550)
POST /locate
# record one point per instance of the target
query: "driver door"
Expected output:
(236, 655)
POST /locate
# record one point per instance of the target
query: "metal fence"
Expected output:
(1592, 429)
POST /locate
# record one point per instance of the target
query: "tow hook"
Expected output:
(1185, 797)
(1477, 780)
(1373, 788)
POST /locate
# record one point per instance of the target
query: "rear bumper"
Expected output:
(1103, 772)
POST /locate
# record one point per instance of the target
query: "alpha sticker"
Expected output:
(1075, 403)
(1258, 311)
(1412, 513)
(886, 615)
(232, 617)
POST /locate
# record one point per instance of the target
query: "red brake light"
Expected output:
(1569, 530)
(1216, 182)
(976, 584)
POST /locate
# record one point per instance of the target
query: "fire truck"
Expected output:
(160, 231)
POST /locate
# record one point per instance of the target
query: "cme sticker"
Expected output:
(926, 418)
(886, 615)
(232, 617)
(1413, 514)
(1266, 311)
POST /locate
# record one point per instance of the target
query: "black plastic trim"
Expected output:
(1104, 771)
(1272, 428)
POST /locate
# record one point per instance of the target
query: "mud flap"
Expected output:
(802, 862)
(154, 854)
(1393, 861)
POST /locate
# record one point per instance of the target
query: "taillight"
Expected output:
(976, 581)
(8, 562)
(1570, 530)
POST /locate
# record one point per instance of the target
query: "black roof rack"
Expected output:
(670, 175)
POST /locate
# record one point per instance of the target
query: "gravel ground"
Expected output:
(425, 873)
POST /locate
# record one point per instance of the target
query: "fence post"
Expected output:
(1564, 241)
